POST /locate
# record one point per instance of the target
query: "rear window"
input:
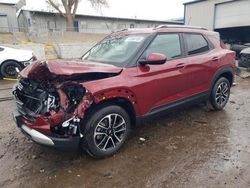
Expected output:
(196, 44)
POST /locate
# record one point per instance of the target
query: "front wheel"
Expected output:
(220, 94)
(106, 131)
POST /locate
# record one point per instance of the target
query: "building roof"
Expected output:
(10, 2)
(106, 17)
(192, 2)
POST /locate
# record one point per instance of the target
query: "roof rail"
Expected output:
(178, 26)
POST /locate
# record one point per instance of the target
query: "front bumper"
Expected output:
(71, 143)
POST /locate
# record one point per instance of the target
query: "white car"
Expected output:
(12, 59)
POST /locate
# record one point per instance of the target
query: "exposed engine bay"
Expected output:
(55, 102)
(51, 96)
(44, 98)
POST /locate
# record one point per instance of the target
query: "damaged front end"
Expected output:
(50, 109)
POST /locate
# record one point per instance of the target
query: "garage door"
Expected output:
(232, 14)
(4, 24)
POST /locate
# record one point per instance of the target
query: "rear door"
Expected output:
(162, 84)
(199, 63)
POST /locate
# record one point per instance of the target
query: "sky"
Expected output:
(140, 9)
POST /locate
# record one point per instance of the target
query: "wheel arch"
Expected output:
(227, 72)
(120, 97)
(10, 60)
(122, 102)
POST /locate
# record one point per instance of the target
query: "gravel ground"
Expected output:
(188, 148)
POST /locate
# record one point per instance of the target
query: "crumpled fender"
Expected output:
(82, 106)
(90, 98)
(85, 103)
(117, 93)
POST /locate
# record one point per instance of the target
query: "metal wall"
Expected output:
(231, 18)
(10, 11)
(232, 14)
(44, 22)
(4, 27)
(201, 14)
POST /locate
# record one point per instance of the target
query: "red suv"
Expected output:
(128, 76)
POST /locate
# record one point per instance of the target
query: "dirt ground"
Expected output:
(188, 148)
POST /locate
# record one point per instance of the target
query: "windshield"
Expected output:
(115, 50)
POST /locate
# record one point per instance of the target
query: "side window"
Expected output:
(1, 49)
(196, 44)
(167, 44)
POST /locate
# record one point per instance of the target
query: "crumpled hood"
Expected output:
(42, 70)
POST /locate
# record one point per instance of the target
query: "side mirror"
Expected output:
(154, 59)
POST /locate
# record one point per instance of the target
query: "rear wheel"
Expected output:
(220, 94)
(8, 69)
(106, 131)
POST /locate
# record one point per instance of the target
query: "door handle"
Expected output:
(215, 58)
(180, 66)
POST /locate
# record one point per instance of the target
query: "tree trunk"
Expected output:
(70, 22)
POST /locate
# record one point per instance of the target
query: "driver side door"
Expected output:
(165, 83)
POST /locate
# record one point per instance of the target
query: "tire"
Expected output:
(106, 131)
(8, 69)
(220, 94)
(244, 61)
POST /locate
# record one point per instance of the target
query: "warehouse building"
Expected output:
(231, 18)
(44, 21)
(8, 10)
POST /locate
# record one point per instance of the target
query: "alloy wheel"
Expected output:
(110, 132)
(222, 94)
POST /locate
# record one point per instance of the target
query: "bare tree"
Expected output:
(70, 7)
